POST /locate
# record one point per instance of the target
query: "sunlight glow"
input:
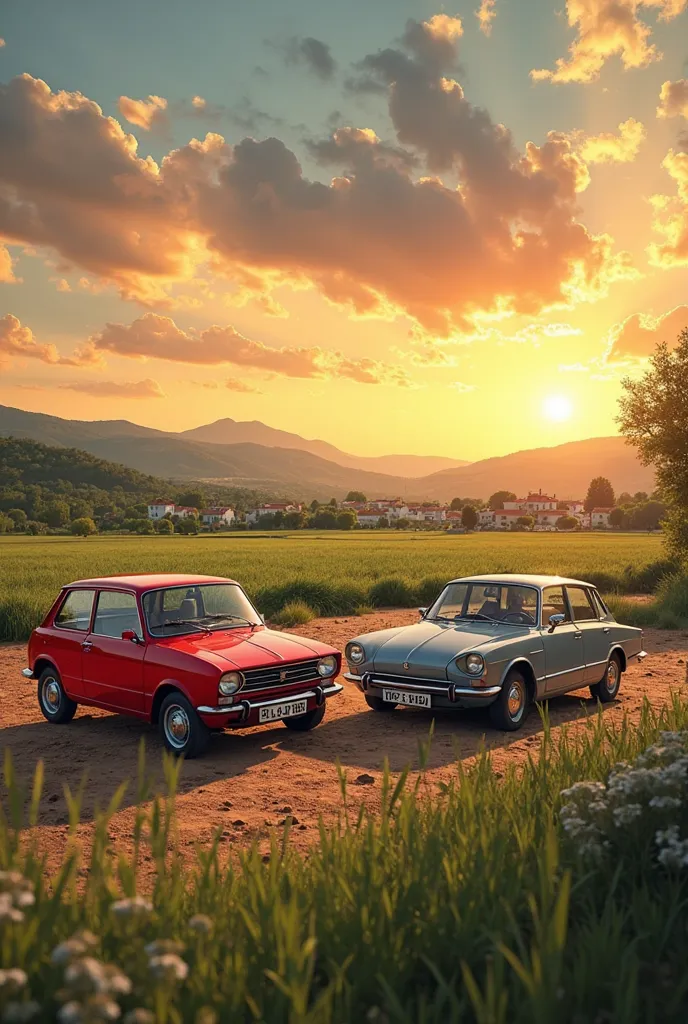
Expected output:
(557, 407)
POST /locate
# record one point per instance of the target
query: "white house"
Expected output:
(269, 509)
(549, 518)
(185, 511)
(427, 513)
(159, 509)
(511, 506)
(504, 518)
(486, 518)
(539, 503)
(599, 518)
(221, 514)
(369, 516)
(574, 507)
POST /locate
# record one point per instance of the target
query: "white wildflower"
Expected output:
(133, 906)
(626, 814)
(8, 912)
(201, 923)
(94, 1010)
(168, 967)
(665, 803)
(89, 975)
(80, 943)
(12, 979)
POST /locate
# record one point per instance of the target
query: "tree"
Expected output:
(600, 494)
(315, 505)
(6, 524)
(496, 500)
(83, 527)
(527, 522)
(402, 523)
(333, 503)
(56, 513)
(192, 499)
(325, 519)
(624, 499)
(653, 417)
(357, 496)
(164, 526)
(648, 516)
(187, 526)
(456, 504)
(469, 517)
(346, 519)
(18, 517)
(566, 523)
(383, 523)
(294, 520)
(617, 516)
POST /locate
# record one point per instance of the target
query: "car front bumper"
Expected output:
(445, 695)
(247, 712)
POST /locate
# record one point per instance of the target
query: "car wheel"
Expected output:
(56, 706)
(378, 704)
(606, 690)
(304, 723)
(182, 731)
(510, 710)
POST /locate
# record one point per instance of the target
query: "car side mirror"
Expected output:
(555, 620)
(132, 636)
(422, 612)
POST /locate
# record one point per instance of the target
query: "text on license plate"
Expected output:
(277, 711)
(416, 700)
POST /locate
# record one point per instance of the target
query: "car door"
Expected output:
(113, 667)
(564, 657)
(68, 634)
(596, 633)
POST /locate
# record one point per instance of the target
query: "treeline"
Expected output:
(45, 489)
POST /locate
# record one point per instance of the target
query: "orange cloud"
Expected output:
(117, 389)
(6, 271)
(608, 148)
(673, 99)
(671, 216)
(144, 114)
(158, 337)
(608, 28)
(486, 14)
(637, 336)
(18, 341)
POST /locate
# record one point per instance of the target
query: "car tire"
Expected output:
(608, 687)
(53, 701)
(304, 723)
(378, 704)
(510, 710)
(182, 731)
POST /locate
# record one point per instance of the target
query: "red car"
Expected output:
(189, 653)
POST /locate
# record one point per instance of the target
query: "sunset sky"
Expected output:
(395, 226)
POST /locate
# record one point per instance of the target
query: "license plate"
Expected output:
(416, 700)
(278, 711)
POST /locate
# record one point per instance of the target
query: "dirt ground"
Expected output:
(251, 779)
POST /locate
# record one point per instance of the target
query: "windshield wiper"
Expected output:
(186, 622)
(229, 615)
(478, 615)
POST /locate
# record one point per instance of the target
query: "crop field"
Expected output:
(333, 573)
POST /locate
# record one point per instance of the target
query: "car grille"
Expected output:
(281, 675)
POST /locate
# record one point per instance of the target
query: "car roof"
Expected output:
(141, 582)
(522, 579)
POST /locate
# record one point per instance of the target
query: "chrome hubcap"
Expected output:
(515, 700)
(612, 676)
(177, 726)
(51, 695)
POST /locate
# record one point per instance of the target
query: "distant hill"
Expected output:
(565, 470)
(229, 431)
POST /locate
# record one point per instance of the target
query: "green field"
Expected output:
(333, 573)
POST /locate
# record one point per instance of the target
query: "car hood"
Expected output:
(245, 649)
(428, 647)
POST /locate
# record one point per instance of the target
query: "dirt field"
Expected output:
(250, 780)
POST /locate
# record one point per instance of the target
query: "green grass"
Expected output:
(461, 902)
(333, 573)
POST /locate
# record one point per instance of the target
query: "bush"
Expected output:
(391, 593)
(83, 527)
(515, 926)
(430, 589)
(322, 598)
(646, 578)
(295, 613)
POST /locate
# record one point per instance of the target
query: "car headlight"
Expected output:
(327, 666)
(230, 683)
(355, 654)
(475, 664)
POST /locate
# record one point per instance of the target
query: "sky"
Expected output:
(399, 226)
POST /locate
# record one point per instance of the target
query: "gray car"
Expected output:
(499, 641)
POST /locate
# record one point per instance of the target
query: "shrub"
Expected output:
(430, 589)
(294, 613)
(645, 579)
(83, 527)
(322, 598)
(391, 593)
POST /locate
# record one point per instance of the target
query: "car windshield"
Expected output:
(199, 608)
(487, 602)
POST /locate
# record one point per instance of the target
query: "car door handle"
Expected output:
(578, 635)
(606, 629)
(86, 646)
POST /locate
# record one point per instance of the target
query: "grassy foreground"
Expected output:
(332, 573)
(465, 904)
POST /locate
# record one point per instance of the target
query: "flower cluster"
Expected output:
(165, 962)
(643, 799)
(91, 988)
(16, 893)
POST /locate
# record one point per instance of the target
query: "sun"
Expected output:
(557, 407)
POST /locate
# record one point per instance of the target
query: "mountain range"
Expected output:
(251, 454)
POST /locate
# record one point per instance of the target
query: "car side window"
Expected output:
(75, 612)
(553, 603)
(599, 607)
(580, 604)
(115, 612)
